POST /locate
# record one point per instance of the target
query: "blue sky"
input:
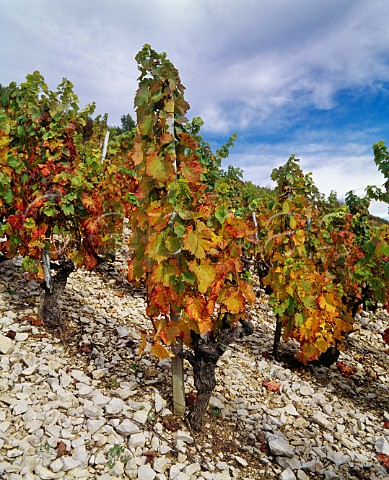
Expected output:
(302, 77)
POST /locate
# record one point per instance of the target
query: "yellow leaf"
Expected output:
(321, 344)
(235, 302)
(160, 351)
(163, 272)
(325, 302)
(200, 241)
(142, 345)
(205, 273)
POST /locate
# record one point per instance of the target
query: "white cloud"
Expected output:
(252, 66)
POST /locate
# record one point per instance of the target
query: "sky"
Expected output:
(302, 77)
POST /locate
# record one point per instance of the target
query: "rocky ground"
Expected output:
(82, 405)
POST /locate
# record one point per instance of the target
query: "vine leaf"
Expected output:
(200, 310)
(200, 241)
(205, 273)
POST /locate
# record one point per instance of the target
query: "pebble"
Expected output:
(287, 475)
(280, 447)
(7, 346)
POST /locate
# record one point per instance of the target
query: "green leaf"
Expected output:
(67, 209)
(146, 126)
(8, 196)
(387, 270)
(142, 96)
(309, 302)
(179, 230)
(188, 277)
(49, 211)
(221, 213)
(299, 319)
(13, 162)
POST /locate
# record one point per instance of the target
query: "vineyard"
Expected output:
(162, 318)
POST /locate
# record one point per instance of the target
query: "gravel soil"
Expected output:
(81, 403)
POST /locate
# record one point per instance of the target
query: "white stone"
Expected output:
(287, 475)
(301, 475)
(84, 390)
(338, 458)
(127, 427)
(69, 463)
(29, 370)
(114, 407)
(122, 332)
(91, 410)
(241, 461)
(20, 407)
(184, 476)
(79, 376)
(193, 468)
(290, 409)
(57, 465)
(160, 403)
(161, 464)
(216, 403)
(280, 447)
(175, 470)
(137, 440)
(184, 436)
(322, 420)
(99, 373)
(44, 473)
(141, 416)
(29, 359)
(285, 462)
(21, 337)
(145, 472)
(99, 399)
(382, 445)
(7, 346)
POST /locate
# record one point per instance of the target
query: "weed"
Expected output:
(115, 453)
(44, 447)
(216, 411)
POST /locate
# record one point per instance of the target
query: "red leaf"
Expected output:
(33, 319)
(150, 455)
(386, 425)
(345, 370)
(86, 348)
(170, 423)
(61, 449)
(385, 336)
(190, 398)
(272, 385)
(384, 460)
(11, 334)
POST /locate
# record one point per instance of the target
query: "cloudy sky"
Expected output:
(302, 77)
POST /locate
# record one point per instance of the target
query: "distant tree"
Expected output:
(127, 124)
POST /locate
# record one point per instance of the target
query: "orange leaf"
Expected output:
(272, 385)
(205, 273)
(143, 344)
(345, 370)
(234, 301)
(200, 309)
(160, 351)
(384, 460)
(200, 241)
(326, 302)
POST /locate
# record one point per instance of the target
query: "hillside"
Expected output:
(81, 404)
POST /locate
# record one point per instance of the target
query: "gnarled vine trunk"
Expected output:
(206, 352)
(50, 311)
